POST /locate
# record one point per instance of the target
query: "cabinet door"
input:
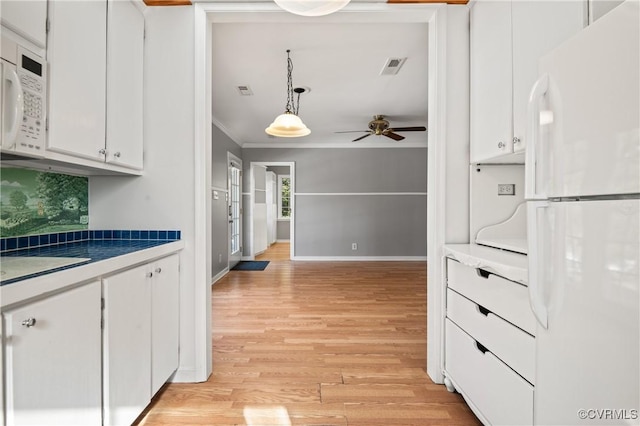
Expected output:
(491, 74)
(77, 77)
(52, 360)
(125, 37)
(165, 320)
(27, 18)
(126, 345)
(560, 20)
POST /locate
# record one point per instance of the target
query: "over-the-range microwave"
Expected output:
(23, 95)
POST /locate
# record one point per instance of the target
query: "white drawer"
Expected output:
(505, 298)
(512, 345)
(501, 396)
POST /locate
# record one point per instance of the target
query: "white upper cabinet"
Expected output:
(507, 40)
(27, 19)
(96, 83)
(125, 46)
(77, 77)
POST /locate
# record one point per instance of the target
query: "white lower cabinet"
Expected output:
(52, 359)
(489, 345)
(140, 338)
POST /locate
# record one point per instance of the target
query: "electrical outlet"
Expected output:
(354, 246)
(506, 189)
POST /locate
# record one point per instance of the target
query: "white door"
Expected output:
(165, 319)
(593, 146)
(52, 360)
(259, 213)
(272, 214)
(588, 282)
(77, 52)
(234, 199)
(125, 51)
(126, 345)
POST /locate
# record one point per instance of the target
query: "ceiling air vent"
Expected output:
(392, 66)
(245, 90)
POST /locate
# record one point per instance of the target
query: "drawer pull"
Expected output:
(482, 273)
(481, 347)
(484, 311)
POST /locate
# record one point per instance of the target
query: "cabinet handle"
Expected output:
(29, 322)
(102, 151)
(149, 274)
(158, 270)
(516, 139)
(117, 154)
(501, 145)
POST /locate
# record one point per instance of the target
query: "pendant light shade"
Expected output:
(312, 7)
(289, 125)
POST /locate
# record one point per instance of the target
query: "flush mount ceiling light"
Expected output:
(289, 125)
(311, 7)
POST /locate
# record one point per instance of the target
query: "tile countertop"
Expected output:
(106, 257)
(512, 266)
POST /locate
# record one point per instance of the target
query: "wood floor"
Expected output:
(316, 343)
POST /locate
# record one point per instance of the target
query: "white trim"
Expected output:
(283, 241)
(358, 193)
(219, 275)
(436, 188)
(362, 258)
(202, 206)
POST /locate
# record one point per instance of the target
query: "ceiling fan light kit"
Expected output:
(289, 125)
(312, 7)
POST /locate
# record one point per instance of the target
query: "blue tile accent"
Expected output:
(23, 242)
(107, 236)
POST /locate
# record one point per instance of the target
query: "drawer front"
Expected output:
(512, 345)
(502, 396)
(505, 298)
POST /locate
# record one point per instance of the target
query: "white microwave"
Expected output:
(23, 103)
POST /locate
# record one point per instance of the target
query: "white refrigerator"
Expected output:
(582, 174)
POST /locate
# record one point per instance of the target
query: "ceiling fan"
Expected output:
(380, 126)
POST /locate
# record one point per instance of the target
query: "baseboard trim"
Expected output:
(219, 275)
(362, 258)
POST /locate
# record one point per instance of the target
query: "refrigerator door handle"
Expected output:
(536, 298)
(538, 90)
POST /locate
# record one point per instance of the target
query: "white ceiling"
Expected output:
(339, 57)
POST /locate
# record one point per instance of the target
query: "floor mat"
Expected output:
(251, 265)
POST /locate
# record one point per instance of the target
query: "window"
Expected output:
(284, 197)
(234, 206)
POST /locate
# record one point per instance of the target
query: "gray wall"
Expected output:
(220, 145)
(375, 197)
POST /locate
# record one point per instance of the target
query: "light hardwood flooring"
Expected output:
(316, 343)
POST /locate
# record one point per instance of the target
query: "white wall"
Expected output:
(166, 196)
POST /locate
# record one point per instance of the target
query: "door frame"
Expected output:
(233, 158)
(435, 16)
(292, 174)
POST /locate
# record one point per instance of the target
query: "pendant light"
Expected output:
(311, 7)
(289, 125)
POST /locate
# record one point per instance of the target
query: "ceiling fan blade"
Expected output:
(353, 131)
(409, 129)
(361, 137)
(393, 136)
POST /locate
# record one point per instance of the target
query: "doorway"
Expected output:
(272, 210)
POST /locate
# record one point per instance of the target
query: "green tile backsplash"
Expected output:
(34, 202)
